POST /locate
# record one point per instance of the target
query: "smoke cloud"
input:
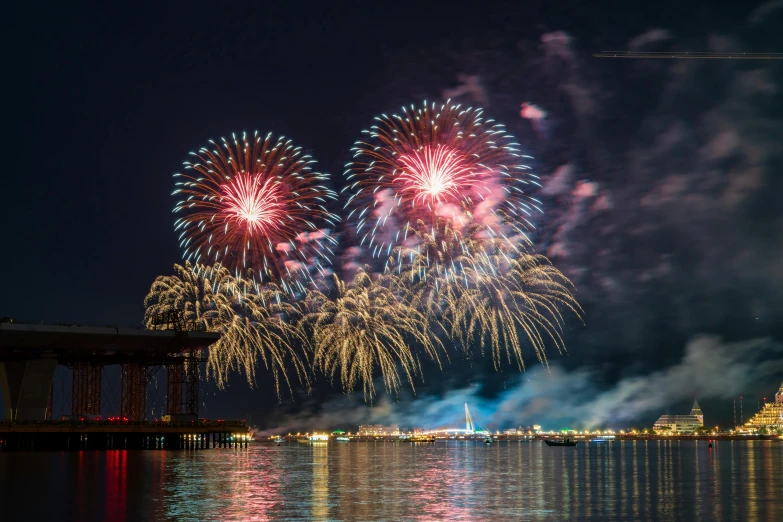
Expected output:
(710, 369)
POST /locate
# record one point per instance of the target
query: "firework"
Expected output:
(367, 327)
(486, 291)
(436, 161)
(250, 318)
(505, 296)
(184, 292)
(254, 202)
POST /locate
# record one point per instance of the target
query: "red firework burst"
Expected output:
(256, 203)
(436, 161)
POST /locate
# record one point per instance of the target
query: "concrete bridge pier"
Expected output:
(25, 386)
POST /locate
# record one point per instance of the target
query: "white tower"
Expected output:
(779, 394)
(469, 427)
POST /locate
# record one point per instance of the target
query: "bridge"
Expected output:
(29, 355)
(470, 428)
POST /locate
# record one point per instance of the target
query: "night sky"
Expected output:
(662, 179)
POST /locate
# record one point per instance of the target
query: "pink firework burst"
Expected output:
(255, 203)
(434, 175)
(438, 161)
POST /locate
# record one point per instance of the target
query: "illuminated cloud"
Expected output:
(648, 38)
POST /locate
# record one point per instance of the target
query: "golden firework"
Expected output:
(249, 317)
(485, 286)
(368, 327)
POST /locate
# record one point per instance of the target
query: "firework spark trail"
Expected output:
(368, 327)
(438, 160)
(439, 190)
(527, 295)
(249, 317)
(255, 202)
(487, 290)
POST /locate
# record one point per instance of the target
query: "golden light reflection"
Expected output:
(320, 497)
(448, 480)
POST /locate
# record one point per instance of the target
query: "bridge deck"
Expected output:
(103, 435)
(122, 427)
(97, 345)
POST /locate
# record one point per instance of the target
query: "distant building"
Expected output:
(696, 412)
(681, 423)
(378, 430)
(522, 430)
(770, 416)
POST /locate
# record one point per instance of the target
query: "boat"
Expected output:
(279, 440)
(422, 438)
(343, 439)
(488, 440)
(564, 442)
(316, 438)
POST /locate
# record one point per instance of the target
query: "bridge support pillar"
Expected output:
(183, 385)
(50, 403)
(192, 376)
(175, 380)
(26, 386)
(133, 392)
(86, 390)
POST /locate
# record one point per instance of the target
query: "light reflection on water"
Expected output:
(655, 480)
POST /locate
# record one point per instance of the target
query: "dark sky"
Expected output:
(674, 232)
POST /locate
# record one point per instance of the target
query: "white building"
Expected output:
(523, 430)
(680, 423)
(378, 430)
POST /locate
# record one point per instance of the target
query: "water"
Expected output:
(397, 481)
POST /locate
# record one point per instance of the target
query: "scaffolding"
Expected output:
(133, 392)
(192, 375)
(182, 377)
(50, 402)
(175, 381)
(183, 385)
(86, 389)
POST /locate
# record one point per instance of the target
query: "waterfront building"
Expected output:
(378, 430)
(696, 412)
(680, 423)
(523, 430)
(770, 416)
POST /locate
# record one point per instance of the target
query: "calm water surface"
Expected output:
(396, 481)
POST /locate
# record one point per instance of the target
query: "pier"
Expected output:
(112, 435)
